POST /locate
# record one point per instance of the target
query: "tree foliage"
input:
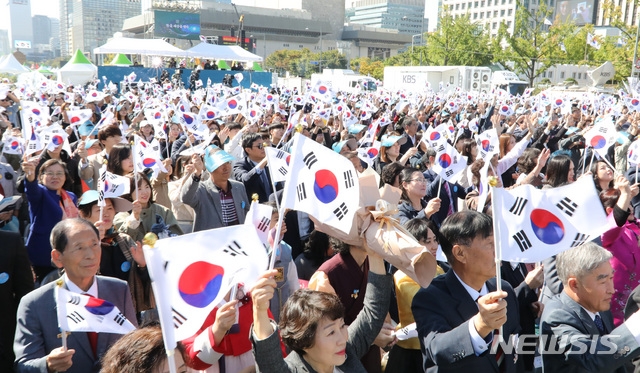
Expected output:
(365, 66)
(299, 62)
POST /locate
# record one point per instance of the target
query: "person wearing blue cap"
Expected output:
(217, 201)
(390, 152)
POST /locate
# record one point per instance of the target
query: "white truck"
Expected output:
(415, 78)
(468, 78)
(345, 80)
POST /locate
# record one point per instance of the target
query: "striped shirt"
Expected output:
(229, 215)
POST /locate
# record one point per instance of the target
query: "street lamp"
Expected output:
(264, 38)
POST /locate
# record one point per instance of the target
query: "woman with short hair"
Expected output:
(312, 325)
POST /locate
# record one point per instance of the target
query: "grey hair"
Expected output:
(581, 260)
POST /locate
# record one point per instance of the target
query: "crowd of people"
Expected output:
(329, 305)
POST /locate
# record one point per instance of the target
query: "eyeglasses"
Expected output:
(421, 181)
(55, 174)
(259, 146)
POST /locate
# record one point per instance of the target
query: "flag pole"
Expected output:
(440, 187)
(497, 244)
(593, 153)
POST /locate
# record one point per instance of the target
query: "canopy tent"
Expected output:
(147, 47)
(257, 67)
(222, 52)
(79, 70)
(121, 60)
(10, 65)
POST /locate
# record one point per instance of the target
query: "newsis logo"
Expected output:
(528, 344)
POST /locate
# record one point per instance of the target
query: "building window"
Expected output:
(482, 4)
(550, 74)
(475, 15)
(300, 46)
(495, 25)
(475, 4)
(509, 24)
(462, 6)
(509, 12)
(574, 75)
(579, 75)
(488, 14)
(495, 14)
(502, 13)
(481, 15)
(544, 75)
(457, 6)
(562, 75)
(285, 45)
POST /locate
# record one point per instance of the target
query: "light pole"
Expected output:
(264, 38)
(413, 36)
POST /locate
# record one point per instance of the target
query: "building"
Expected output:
(405, 16)
(301, 24)
(15, 15)
(44, 30)
(88, 24)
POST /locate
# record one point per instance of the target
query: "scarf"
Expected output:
(69, 209)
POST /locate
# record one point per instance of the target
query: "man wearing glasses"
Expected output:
(252, 170)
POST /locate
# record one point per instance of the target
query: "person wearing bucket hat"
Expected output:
(121, 256)
(217, 201)
(390, 152)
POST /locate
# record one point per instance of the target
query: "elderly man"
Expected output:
(458, 316)
(217, 201)
(76, 248)
(578, 323)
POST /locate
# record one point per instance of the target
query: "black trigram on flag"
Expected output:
(440, 149)
(522, 240)
(518, 206)
(348, 179)
(341, 211)
(310, 159)
(280, 154)
(234, 249)
(567, 206)
(283, 171)
(75, 317)
(74, 300)
(119, 319)
(579, 239)
(302, 193)
(264, 224)
(178, 318)
(448, 173)
(603, 129)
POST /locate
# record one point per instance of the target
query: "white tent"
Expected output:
(79, 70)
(10, 65)
(148, 47)
(222, 52)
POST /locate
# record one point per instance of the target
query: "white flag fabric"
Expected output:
(483, 186)
(54, 136)
(325, 184)
(34, 115)
(602, 136)
(233, 105)
(33, 143)
(13, 145)
(238, 77)
(323, 92)
(449, 162)
(78, 117)
(259, 216)
(369, 153)
(278, 161)
(534, 225)
(147, 155)
(488, 144)
(83, 313)
(591, 40)
(189, 287)
(633, 156)
(111, 185)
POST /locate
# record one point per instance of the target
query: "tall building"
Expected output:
(15, 16)
(41, 29)
(405, 16)
(87, 24)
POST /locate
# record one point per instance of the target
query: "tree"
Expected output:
(299, 62)
(365, 66)
(457, 41)
(531, 48)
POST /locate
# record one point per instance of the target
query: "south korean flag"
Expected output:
(449, 163)
(189, 287)
(488, 145)
(533, 225)
(325, 184)
(279, 161)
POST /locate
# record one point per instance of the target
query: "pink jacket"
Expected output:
(622, 242)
